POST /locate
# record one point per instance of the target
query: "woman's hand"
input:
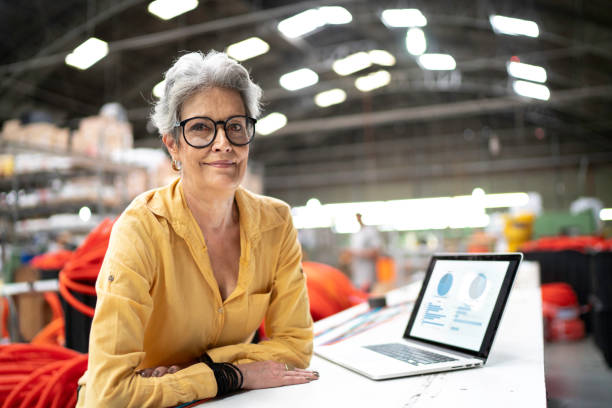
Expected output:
(268, 374)
(260, 374)
(163, 370)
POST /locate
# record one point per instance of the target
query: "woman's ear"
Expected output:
(170, 144)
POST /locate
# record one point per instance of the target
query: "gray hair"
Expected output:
(195, 71)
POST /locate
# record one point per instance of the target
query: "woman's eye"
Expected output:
(235, 127)
(199, 127)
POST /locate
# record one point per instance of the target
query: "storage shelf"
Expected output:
(49, 208)
(80, 160)
(41, 179)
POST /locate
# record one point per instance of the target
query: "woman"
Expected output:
(192, 269)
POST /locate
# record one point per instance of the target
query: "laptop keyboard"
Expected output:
(411, 355)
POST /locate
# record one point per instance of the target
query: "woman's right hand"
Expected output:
(268, 374)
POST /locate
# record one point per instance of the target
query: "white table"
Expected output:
(513, 376)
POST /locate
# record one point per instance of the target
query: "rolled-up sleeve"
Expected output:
(123, 309)
(288, 323)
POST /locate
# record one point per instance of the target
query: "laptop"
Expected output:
(452, 324)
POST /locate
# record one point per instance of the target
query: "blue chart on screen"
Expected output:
(445, 284)
(478, 286)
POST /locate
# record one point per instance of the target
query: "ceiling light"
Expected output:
(416, 43)
(605, 214)
(271, 123)
(249, 48)
(167, 9)
(85, 214)
(437, 62)
(526, 71)
(159, 89)
(335, 15)
(352, 63)
(301, 23)
(403, 18)
(331, 97)
(88, 53)
(299, 79)
(382, 57)
(309, 20)
(372, 81)
(531, 90)
(514, 26)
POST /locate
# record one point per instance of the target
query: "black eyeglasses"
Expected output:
(201, 131)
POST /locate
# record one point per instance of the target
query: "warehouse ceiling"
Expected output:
(422, 125)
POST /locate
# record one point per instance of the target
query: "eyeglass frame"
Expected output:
(216, 122)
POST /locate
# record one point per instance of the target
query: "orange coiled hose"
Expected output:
(43, 375)
(81, 271)
(26, 370)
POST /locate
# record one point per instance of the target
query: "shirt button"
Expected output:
(220, 310)
(111, 278)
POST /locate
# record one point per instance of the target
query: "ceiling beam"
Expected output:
(446, 110)
(407, 172)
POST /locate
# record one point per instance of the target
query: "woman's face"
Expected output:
(221, 165)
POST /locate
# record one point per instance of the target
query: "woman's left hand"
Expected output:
(160, 371)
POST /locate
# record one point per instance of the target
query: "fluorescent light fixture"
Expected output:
(301, 23)
(605, 214)
(514, 26)
(382, 57)
(403, 18)
(88, 53)
(352, 63)
(247, 49)
(437, 62)
(299, 79)
(335, 15)
(271, 123)
(531, 90)
(312, 19)
(167, 9)
(416, 43)
(159, 89)
(526, 71)
(331, 97)
(372, 81)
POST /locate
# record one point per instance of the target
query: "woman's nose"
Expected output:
(221, 141)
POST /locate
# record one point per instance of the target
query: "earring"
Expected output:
(176, 165)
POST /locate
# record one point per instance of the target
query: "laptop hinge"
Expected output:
(444, 350)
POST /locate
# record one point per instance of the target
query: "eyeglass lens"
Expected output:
(201, 131)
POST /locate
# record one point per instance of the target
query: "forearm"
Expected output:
(291, 350)
(113, 388)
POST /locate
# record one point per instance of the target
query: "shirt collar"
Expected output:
(169, 202)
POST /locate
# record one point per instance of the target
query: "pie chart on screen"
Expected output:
(478, 286)
(445, 284)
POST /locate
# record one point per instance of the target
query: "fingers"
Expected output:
(173, 369)
(305, 374)
(298, 375)
(157, 371)
(146, 372)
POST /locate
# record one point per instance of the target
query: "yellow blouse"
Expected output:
(159, 303)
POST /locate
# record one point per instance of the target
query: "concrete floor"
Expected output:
(577, 375)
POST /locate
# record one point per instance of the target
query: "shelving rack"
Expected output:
(101, 169)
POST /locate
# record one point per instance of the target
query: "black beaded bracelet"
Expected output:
(229, 377)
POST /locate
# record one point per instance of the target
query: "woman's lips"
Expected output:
(221, 164)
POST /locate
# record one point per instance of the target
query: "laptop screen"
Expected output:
(458, 300)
